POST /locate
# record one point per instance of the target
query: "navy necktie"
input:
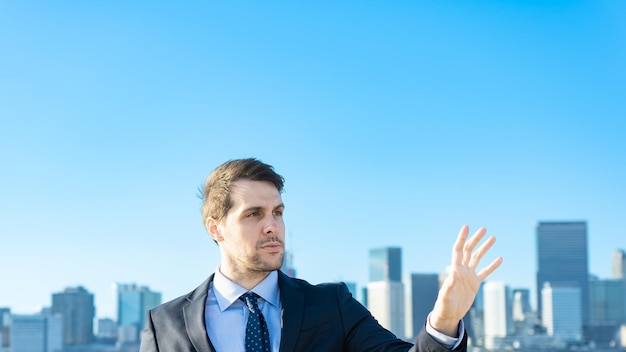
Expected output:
(257, 335)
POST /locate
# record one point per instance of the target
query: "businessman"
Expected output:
(249, 305)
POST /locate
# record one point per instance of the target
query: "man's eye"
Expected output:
(254, 213)
(278, 213)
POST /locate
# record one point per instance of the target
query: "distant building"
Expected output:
(133, 303)
(618, 264)
(561, 314)
(37, 333)
(5, 318)
(287, 268)
(386, 303)
(608, 301)
(386, 264)
(497, 314)
(107, 330)
(522, 313)
(385, 291)
(420, 295)
(562, 258)
(76, 305)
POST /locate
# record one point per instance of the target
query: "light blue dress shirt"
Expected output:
(226, 316)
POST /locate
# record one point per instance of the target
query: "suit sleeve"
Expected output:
(148, 339)
(364, 333)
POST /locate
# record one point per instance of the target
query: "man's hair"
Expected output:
(217, 187)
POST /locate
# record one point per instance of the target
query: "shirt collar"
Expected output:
(228, 292)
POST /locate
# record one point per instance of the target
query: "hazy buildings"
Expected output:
(287, 267)
(76, 306)
(562, 259)
(420, 296)
(561, 311)
(497, 314)
(385, 291)
(36, 333)
(133, 303)
(386, 303)
(386, 264)
(618, 264)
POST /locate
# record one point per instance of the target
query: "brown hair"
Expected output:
(216, 190)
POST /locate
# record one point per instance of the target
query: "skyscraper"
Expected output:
(385, 291)
(420, 296)
(386, 303)
(133, 303)
(39, 332)
(386, 264)
(618, 264)
(562, 315)
(76, 306)
(562, 259)
(497, 312)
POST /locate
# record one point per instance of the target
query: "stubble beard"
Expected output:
(259, 264)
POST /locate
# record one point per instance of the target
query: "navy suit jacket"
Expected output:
(324, 318)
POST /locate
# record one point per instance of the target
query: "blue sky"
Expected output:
(393, 123)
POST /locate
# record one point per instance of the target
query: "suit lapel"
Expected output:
(193, 312)
(293, 308)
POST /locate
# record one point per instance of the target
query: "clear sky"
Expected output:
(394, 123)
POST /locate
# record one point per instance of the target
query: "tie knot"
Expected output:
(250, 298)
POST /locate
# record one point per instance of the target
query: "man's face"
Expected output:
(251, 236)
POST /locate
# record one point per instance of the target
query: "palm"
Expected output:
(459, 290)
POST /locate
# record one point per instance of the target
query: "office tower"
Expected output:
(36, 333)
(385, 291)
(521, 304)
(561, 311)
(76, 306)
(608, 301)
(386, 303)
(107, 330)
(386, 264)
(133, 303)
(5, 318)
(497, 315)
(618, 264)
(420, 296)
(562, 259)
(287, 267)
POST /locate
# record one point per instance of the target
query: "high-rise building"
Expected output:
(36, 333)
(608, 301)
(287, 268)
(107, 330)
(562, 259)
(521, 304)
(497, 313)
(385, 301)
(76, 305)
(5, 318)
(133, 303)
(618, 264)
(420, 295)
(386, 264)
(562, 315)
(385, 291)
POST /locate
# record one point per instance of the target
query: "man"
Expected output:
(248, 303)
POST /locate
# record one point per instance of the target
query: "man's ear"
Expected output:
(213, 228)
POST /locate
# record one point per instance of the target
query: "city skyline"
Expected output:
(393, 124)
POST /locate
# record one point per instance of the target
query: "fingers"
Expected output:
(463, 251)
(471, 244)
(482, 275)
(457, 249)
(480, 252)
